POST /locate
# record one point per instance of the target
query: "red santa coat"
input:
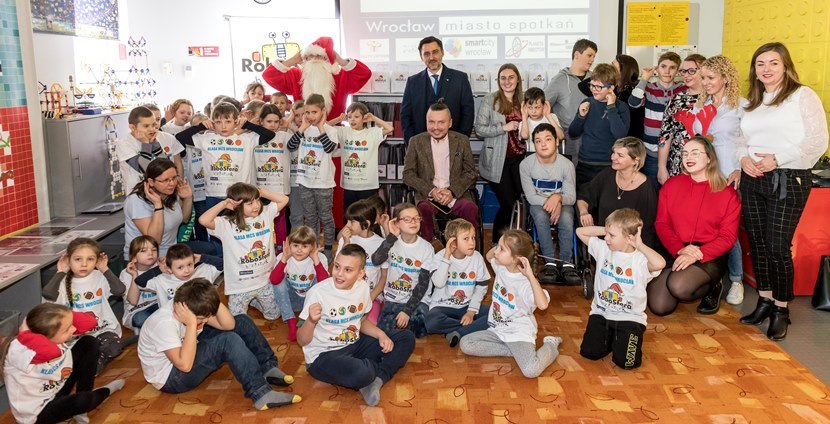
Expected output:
(349, 80)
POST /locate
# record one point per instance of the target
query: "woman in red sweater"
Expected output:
(697, 221)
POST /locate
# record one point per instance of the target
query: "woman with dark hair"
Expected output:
(157, 206)
(697, 222)
(498, 121)
(785, 134)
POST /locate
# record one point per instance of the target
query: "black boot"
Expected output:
(761, 312)
(710, 304)
(779, 318)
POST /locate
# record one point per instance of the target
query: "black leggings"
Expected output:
(508, 191)
(672, 287)
(65, 406)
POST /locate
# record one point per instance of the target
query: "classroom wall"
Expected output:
(171, 27)
(18, 196)
(803, 26)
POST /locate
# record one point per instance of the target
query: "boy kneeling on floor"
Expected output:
(173, 362)
(340, 345)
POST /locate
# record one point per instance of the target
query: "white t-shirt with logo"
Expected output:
(359, 157)
(226, 160)
(91, 294)
(511, 313)
(462, 276)
(370, 245)
(31, 387)
(315, 168)
(339, 325)
(146, 299)
(405, 262)
(300, 275)
(165, 285)
(161, 332)
(271, 164)
(248, 255)
(620, 283)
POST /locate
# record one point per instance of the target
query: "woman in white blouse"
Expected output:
(785, 134)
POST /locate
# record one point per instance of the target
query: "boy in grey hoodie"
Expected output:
(564, 95)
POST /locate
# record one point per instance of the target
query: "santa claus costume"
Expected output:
(329, 79)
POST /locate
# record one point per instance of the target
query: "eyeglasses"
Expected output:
(694, 154)
(598, 87)
(167, 180)
(410, 219)
(690, 71)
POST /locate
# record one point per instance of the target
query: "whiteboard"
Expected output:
(259, 41)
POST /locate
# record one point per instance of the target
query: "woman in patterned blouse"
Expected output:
(673, 134)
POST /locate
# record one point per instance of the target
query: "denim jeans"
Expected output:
(735, 263)
(244, 349)
(141, 316)
(358, 364)
(650, 167)
(288, 301)
(444, 320)
(564, 228)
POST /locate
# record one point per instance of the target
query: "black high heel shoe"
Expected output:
(779, 319)
(761, 312)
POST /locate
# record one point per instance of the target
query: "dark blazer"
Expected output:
(419, 168)
(453, 86)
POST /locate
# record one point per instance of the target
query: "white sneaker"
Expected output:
(736, 293)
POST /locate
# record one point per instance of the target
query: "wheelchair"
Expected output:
(442, 219)
(522, 220)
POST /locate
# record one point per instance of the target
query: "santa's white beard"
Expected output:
(318, 79)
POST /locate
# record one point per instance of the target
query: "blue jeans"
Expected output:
(358, 364)
(444, 320)
(209, 203)
(288, 301)
(199, 230)
(141, 316)
(564, 229)
(735, 262)
(389, 313)
(650, 167)
(244, 349)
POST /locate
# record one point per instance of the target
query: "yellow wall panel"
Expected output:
(803, 25)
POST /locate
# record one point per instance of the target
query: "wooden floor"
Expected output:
(695, 369)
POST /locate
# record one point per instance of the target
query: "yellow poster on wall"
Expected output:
(657, 23)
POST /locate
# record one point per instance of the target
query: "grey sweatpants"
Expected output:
(318, 206)
(532, 362)
(295, 205)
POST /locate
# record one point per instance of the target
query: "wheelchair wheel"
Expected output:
(588, 283)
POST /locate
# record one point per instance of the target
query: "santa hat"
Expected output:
(323, 46)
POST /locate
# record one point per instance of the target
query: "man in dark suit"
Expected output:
(435, 82)
(439, 166)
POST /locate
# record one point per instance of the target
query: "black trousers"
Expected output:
(772, 205)
(65, 405)
(507, 191)
(623, 339)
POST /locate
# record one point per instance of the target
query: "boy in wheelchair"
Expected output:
(548, 181)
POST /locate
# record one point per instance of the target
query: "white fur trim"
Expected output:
(350, 65)
(315, 50)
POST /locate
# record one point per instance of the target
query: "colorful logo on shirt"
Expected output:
(301, 282)
(257, 253)
(311, 159)
(404, 284)
(620, 275)
(272, 145)
(457, 298)
(199, 175)
(224, 163)
(271, 165)
(353, 161)
(495, 309)
(463, 275)
(225, 142)
(347, 336)
(52, 385)
(613, 297)
(356, 143)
